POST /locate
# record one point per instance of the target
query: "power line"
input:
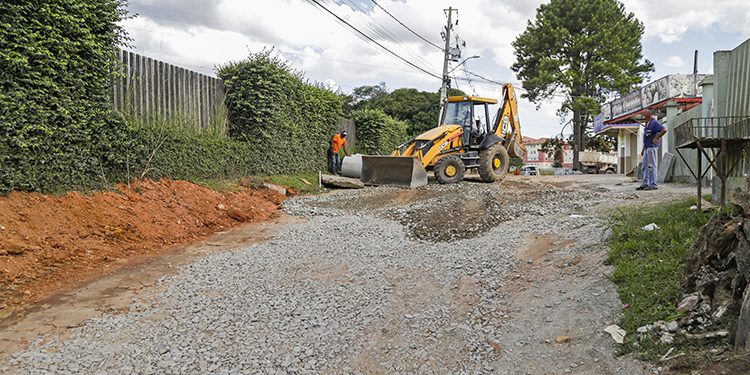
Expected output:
(282, 51)
(369, 22)
(316, 2)
(484, 78)
(344, 61)
(516, 86)
(406, 27)
(470, 81)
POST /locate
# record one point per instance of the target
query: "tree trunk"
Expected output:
(577, 138)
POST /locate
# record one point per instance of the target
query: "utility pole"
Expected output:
(695, 74)
(446, 59)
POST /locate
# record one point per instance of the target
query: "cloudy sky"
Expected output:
(200, 34)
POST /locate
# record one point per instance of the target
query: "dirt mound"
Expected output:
(52, 242)
(717, 277)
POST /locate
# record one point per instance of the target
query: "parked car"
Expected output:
(530, 170)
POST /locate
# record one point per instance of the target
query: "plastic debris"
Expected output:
(650, 227)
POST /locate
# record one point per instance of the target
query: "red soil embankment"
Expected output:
(48, 243)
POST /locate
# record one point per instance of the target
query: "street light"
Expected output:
(444, 88)
(463, 62)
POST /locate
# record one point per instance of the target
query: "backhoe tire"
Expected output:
(494, 163)
(449, 170)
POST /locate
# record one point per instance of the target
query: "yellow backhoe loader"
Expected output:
(465, 140)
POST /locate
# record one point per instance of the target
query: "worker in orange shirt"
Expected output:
(334, 158)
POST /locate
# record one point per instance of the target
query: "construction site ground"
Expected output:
(476, 278)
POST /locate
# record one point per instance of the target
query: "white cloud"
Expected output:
(669, 20)
(674, 62)
(200, 34)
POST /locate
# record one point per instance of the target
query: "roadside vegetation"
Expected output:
(649, 266)
(58, 61)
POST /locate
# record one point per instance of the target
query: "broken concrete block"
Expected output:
(342, 182)
(279, 189)
(666, 168)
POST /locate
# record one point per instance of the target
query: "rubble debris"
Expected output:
(707, 335)
(717, 276)
(617, 333)
(277, 188)
(666, 357)
(688, 303)
(666, 338)
(562, 339)
(650, 227)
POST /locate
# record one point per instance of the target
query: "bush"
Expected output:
(178, 153)
(57, 131)
(287, 121)
(378, 133)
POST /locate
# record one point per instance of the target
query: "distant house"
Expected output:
(535, 156)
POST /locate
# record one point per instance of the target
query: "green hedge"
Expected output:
(378, 133)
(184, 154)
(58, 133)
(56, 129)
(272, 108)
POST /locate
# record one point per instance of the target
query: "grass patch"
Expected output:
(295, 181)
(649, 265)
(221, 185)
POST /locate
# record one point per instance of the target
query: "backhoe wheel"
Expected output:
(494, 163)
(449, 170)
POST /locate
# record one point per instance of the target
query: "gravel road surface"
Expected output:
(469, 278)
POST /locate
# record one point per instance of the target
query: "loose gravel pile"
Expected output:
(445, 213)
(360, 287)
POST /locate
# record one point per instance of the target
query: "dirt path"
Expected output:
(70, 308)
(472, 278)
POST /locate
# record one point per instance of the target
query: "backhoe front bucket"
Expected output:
(393, 170)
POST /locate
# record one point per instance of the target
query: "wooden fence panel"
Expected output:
(154, 92)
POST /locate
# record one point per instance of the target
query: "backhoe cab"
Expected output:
(466, 139)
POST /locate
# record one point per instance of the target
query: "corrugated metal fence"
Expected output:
(735, 100)
(154, 91)
(738, 83)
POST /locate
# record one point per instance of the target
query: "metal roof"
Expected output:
(629, 126)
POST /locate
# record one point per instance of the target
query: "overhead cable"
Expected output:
(406, 27)
(317, 3)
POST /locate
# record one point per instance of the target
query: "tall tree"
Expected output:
(580, 51)
(418, 108)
